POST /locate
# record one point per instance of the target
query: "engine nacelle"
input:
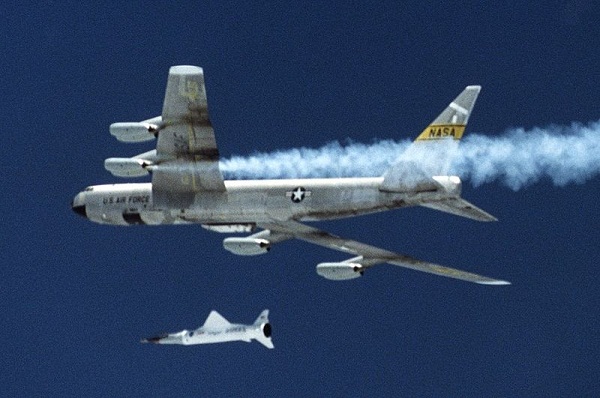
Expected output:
(127, 167)
(134, 131)
(340, 271)
(230, 228)
(247, 246)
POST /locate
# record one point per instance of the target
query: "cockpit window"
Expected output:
(89, 189)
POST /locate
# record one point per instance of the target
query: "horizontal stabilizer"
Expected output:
(462, 208)
(266, 341)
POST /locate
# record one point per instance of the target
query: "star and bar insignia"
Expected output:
(298, 194)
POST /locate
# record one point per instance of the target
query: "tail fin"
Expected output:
(265, 329)
(432, 151)
(262, 318)
(452, 121)
(266, 341)
(426, 162)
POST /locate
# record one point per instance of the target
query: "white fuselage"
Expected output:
(204, 335)
(232, 333)
(253, 201)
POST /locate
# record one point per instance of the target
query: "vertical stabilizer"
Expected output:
(262, 318)
(265, 330)
(433, 150)
(451, 123)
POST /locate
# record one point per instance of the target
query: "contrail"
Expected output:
(517, 158)
(332, 160)
(520, 158)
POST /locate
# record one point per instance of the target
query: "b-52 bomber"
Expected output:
(187, 186)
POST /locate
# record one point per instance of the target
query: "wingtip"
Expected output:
(185, 70)
(495, 283)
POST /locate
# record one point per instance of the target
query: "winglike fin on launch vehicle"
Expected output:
(215, 321)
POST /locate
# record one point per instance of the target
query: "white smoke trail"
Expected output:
(520, 158)
(331, 160)
(517, 158)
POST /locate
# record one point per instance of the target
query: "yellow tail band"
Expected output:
(442, 131)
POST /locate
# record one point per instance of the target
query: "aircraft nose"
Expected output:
(78, 207)
(80, 210)
(154, 340)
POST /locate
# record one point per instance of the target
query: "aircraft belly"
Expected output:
(232, 208)
(338, 203)
(216, 337)
(324, 204)
(314, 203)
(247, 208)
(256, 201)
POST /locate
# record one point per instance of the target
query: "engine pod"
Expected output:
(340, 271)
(134, 131)
(246, 246)
(127, 167)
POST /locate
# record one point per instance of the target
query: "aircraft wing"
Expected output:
(216, 321)
(371, 255)
(186, 142)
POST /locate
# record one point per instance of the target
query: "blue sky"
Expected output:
(76, 297)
